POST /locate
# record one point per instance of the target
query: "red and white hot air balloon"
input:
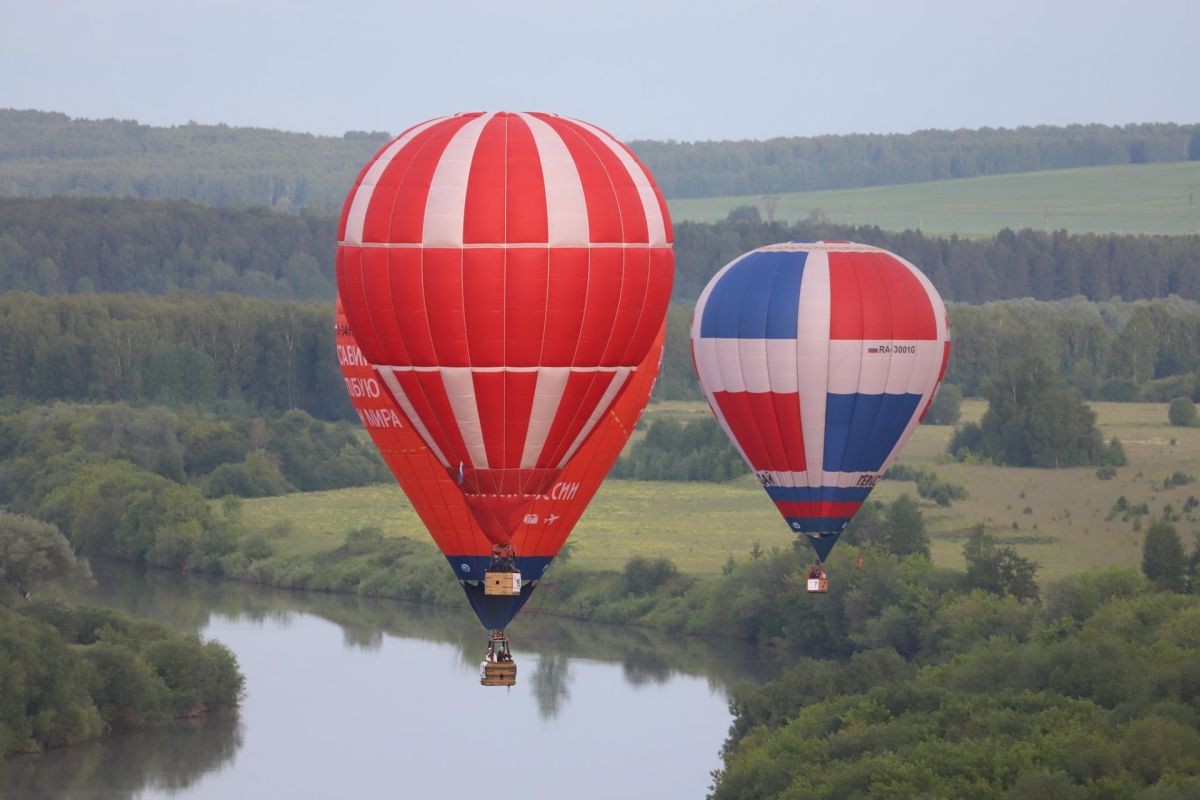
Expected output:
(506, 275)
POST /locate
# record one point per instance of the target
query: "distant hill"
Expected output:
(44, 154)
(47, 154)
(1128, 198)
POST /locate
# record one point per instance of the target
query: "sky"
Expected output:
(688, 70)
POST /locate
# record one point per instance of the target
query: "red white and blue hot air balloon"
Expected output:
(819, 359)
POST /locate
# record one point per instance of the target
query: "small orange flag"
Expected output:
(860, 560)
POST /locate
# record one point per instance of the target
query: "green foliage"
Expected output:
(996, 568)
(34, 555)
(674, 451)
(69, 674)
(1094, 698)
(928, 484)
(1163, 559)
(1031, 422)
(904, 528)
(1182, 413)
(947, 406)
(207, 353)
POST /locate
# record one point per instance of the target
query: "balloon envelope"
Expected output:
(506, 275)
(819, 359)
(439, 501)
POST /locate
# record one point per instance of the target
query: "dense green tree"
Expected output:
(34, 554)
(1182, 413)
(997, 568)
(1031, 421)
(1163, 559)
(947, 406)
(904, 528)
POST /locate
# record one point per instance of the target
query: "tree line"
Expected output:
(242, 355)
(805, 164)
(81, 245)
(47, 153)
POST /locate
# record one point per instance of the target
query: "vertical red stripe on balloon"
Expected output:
(582, 392)
(489, 400)
(845, 302)
(518, 393)
(604, 212)
(739, 416)
(375, 284)
(565, 301)
(763, 416)
(483, 212)
(441, 273)
(397, 209)
(791, 430)
(658, 295)
(877, 319)
(635, 271)
(525, 192)
(603, 298)
(633, 215)
(912, 311)
(427, 394)
(483, 305)
(407, 285)
(527, 278)
(354, 299)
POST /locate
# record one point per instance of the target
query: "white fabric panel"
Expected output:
(729, 365)
(614, 386)
(655, 226)
(547, 395)
(445, 207)
(567, 220)
(846, 366)
(781, 364)
(812, 360)
(388, 375)
(752, 362)
(460, 389)
(357, 215)
(704, 351)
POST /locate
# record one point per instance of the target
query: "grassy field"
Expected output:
(1056, 517)
(1142, 198)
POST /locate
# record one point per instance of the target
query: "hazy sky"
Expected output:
(679, 69)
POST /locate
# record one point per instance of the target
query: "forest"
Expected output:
(45, 153)
(76, 245)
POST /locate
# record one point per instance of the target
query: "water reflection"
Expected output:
(647, 657)
(124, 765)
(346, 694)
(549, 683)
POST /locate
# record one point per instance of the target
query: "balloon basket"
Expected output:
(502, 584)
(498, 668)
(499, 674)
(502, 578)
(818, 582)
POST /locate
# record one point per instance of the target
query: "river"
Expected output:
(357, 698)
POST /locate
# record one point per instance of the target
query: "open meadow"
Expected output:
(1130, 198)
(1060, 518)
